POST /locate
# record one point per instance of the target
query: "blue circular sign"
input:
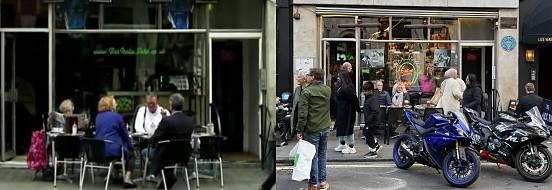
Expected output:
(508, 43)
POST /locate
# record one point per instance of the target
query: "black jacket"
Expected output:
(372, 110)
(472, 98)
(526, 103)
(346, 105)
(176, 126)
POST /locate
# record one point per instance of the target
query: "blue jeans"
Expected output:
(318, 169)
(349, 138)
(151, 166)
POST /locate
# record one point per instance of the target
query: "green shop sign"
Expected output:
(128, 51)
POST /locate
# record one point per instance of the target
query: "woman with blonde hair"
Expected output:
(111, 126)
(400, 95)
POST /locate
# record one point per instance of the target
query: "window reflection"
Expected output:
(400, 32)
(375, 33)
(332, 30)
(24, 14)
(418, 66)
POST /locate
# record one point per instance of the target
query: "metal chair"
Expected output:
(95, 157)
(395, 116)
(210, 149)
(430, 111)
(175, 156)
(66, 147)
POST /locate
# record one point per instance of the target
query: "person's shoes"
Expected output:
(324, 186)
(363, 137)
(378, 148)
(151, 178)
(371, 155)
(347, 150)
(129, 185)
(308, 188)
(281, 142)
(340, 147)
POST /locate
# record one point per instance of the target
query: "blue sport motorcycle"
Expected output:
(442, 142)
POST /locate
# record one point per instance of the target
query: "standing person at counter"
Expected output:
(147, 121)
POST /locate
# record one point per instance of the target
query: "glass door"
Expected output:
(8, 97)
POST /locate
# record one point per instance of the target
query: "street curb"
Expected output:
(289, 161)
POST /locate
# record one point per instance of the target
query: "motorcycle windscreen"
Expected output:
(536, 119)
(463, 122)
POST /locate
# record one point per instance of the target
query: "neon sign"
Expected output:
(407, 71)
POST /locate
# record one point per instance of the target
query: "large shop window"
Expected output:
(24, 14)
(400, 32)
(236, 14)
(102, 63)
(332, 29)
(477, 29)
(375, 32)
(419, 67)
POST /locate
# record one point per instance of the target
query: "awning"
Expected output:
(537, 26)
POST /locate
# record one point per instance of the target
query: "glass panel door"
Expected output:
(9, 97)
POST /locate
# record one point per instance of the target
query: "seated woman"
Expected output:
(66, 107)
(111, 126)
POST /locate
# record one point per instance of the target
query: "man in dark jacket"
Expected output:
(385, 98)
(371, 118)
(176, 126)
(526, 103)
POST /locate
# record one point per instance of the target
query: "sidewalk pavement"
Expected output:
(385, 154)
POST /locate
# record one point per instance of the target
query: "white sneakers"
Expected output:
(340, 147)
(349, 150)
(345, 149)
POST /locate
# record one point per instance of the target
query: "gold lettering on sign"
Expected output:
(545, 39)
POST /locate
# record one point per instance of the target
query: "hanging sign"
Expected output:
(177, 12)
(75, 12)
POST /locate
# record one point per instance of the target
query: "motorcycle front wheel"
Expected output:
(401, 159)
(533, 169)
(461, 173)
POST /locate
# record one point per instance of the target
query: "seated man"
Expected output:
(147, 120)
(176, 126)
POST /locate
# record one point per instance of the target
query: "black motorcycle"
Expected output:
(515, 142)
(283, 119)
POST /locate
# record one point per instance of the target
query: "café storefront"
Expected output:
(54, 50)
(413, 46)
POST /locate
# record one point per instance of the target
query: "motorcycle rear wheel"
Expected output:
(450, 163)
(524, 163)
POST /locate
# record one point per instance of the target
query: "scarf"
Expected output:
(398, 98)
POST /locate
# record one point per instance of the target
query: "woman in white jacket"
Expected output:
(451, 92)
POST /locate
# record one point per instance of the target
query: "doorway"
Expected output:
(543, 90)
(24, 92)
(478, 60)
(235, 89)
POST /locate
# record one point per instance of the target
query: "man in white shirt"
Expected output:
(147, 120)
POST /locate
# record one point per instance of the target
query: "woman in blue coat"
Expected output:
(472, 94)
(111, 126)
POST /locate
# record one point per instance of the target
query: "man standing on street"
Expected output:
(526, 103)
(371, 111)
(314, 121)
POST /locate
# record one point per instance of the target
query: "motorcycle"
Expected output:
(283, 118)
(442, 142)
(515, 142)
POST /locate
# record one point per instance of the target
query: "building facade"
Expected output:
(84, 49)
(535, 47)
(410, 42)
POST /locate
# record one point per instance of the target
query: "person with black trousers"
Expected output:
(472, 94)
(526, 103)
(176, 126)
(371, 111)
